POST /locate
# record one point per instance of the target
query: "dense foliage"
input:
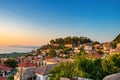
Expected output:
(71, 40)
(11, 78)
(10, 63)
(87, 68)
(117, 39)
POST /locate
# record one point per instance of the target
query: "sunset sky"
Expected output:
(35, 22)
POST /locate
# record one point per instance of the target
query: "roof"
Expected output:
(66, 60)
(26, 64)
(97, 55)
(112, 77)
(25, 73)
(94, 55)
(52, 60)
(83, 78)
(44, 70)
(3, 78)
(4, 68)
(62, 78)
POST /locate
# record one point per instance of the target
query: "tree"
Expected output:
(67, 40)
(96, 42)
(97, 73)
(111, 64)
(27, 55)
(52, 53)
(62, 70)
(52, 41)
(113, 45)
(117, 39)
(100, 52)
(38, 52)
(10, 63)
(11, 78)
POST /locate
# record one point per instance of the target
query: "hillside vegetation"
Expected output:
(117, 39)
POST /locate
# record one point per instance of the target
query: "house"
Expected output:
(118, 46)
(38, 62)
(62, 78)
(106, 47)
(56, 45)
(88, 47)
(94, 55)
(3, 78)
(51, 61)
(66, 60)
(83, 78)
(68, 45)
(25, 71)
(97, 46)
(5, 71)
(43, 72)
(76, 50)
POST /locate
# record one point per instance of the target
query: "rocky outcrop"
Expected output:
(112, 77)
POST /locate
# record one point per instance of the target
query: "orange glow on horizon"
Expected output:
(21, 40)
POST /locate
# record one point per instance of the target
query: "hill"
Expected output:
(117, 39)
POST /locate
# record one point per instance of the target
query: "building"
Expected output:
(5, 71)
(26, 71)
(51, 61)
(97, 46)
(43, 72)
(118, 46)
(62, 78)
(76, 50)
(88, 47)
(106, 47)
(68, 45)
(3, 78)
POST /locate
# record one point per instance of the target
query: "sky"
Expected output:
(36, 22)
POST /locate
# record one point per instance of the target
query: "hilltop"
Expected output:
(117, 39)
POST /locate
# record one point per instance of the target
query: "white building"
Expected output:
(43, 72)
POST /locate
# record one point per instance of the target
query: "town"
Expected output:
(69, 58)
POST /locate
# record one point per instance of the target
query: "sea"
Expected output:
(17, 49)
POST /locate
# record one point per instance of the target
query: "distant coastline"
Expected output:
(20, 46)
(12, 55)
(16, 49)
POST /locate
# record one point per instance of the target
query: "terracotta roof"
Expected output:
(52, 60)
(66, 60)
(3, 78)
(47, 57)
(94, 55)
(26, 64)
(45, 69)
(97, 55)
(4, 68)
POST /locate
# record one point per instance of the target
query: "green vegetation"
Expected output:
(11, 78)
(111, 64)
(87, 68)
(117, 39)
(10, 63)
(27, 55)
(71, 40)
(12, 55)
(52, 53)
(113, 44)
